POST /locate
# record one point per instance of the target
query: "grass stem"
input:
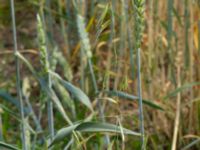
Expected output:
(140, 99)
(178, 109)
(18, 85)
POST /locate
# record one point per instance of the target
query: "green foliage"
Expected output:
(7, 97)
(90, 127)
(124, 95)
(82, 74)
(76, 92)
(8, 146)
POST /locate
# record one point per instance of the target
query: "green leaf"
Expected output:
(7, 97)
(8, 146)
(64, 96)
(187, 147)
(132, 97)
(78, 94)
(103, 127)
(75, 91)
(52, 95)
(177, 16)
(62, 133)
(180, 89)
(121, 94)
(12, 113)
(152, 104)
(91, 127)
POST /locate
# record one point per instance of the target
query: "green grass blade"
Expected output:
(132, 97)
(90, 127)
(103, 127)
(51, 94)
(64, 96)
(7, 97)
(44, 85)
(78, 94)
(121, 94)
(196, 141)
(184, 87)
(75, 91)
(18, 76)
(63, 133)
(8, 146)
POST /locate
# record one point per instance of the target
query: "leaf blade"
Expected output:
(103, 127)
(78, 93)
(90, 127)
(133, 97)
(8, 146)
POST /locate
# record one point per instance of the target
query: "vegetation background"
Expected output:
(74, 79)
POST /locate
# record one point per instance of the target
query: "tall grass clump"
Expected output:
(139, 27)
(86, 51)
(18, 78)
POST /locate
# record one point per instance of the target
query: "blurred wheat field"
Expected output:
(94, 73)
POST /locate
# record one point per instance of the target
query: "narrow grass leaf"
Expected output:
(180, 89)
(121, 94)
(10, 112)
(64, 96)
(51, 94)
(132, 97)
(44, 85)
(75, 91)
(91, 127)
(103, 127)
(7, 97)
(177, 16)
(7, 146)
(196, 141)
(64, 132)
(78, 94)
(152, 104)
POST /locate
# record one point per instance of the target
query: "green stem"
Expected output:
(19, 93)
(140, 98)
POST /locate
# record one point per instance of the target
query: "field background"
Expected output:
(170, 70)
